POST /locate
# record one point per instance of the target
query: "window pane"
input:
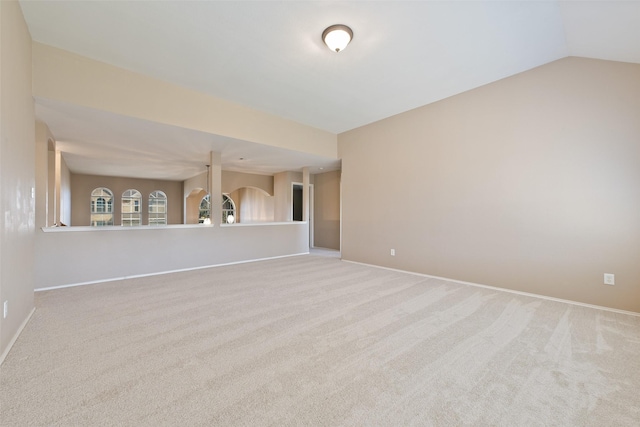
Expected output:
(157, 208)
(131, 213)
(228, 210)
(101, 207)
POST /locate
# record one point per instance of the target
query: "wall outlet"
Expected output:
(5, 310)
(609, 279)
(393, 252)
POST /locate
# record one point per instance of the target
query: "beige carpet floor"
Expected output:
(318, 342)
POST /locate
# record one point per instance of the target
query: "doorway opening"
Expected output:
(296, 206)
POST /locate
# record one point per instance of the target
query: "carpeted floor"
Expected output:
(316, 341)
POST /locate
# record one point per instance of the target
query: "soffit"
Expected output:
(268, 55)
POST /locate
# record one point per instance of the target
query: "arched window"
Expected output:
(131, 208)
(157, 208)
(204, 216)
(228, 210)
(101, 207)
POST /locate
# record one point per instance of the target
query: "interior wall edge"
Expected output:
(13, 340)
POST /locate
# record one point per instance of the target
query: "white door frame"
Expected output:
(311, 204)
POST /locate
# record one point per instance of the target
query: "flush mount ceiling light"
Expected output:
(337, 37)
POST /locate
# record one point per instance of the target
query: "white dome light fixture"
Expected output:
(337, 37)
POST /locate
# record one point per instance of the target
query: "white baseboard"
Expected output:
(495, 288)
(114, 279)
(15, 337)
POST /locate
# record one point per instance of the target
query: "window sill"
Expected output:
(161, 227)
(122, 228)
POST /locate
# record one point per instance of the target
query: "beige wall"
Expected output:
(252, 195)
(326, 217)
(253, 205)
(53, 181)
(282, 194)
(530, 183)
(192, 206)
(232, 181)
(17, 172)
(83, 185)
(193, 190)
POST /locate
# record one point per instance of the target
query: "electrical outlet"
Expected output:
(393, 252)
(609, 279)
(6, 310)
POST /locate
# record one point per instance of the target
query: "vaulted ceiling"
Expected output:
(269, 54)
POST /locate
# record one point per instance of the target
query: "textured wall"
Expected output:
(17, 172)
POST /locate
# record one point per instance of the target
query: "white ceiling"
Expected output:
(268, 55)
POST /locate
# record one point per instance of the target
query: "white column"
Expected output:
(215, 187)
(305, 194)
(57, 218)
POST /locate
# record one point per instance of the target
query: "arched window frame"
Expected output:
(204, 213)
(158, 208)
(131, 208)
(101, 210)
(228, 210)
